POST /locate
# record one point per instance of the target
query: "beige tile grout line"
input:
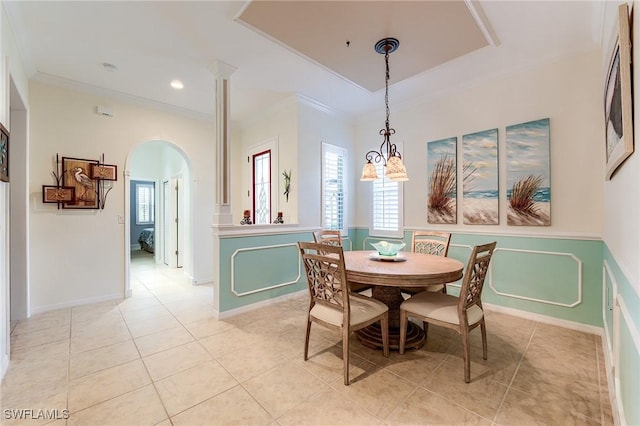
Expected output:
(514, 374)
(213, 357)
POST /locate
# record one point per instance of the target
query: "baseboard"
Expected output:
(247, 308)
(204, 281)
(4, 367)
(135, 247)
(73, 303)
(585, 328)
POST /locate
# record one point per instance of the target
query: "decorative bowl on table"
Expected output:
(387, 249)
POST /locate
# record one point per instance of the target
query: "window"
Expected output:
(145, 203)
(386, 211)
(333, 188)
(262, 187)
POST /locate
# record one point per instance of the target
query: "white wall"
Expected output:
(89, 245)
(10, 68)
(278, 122)
(316, 126)
(301, 126)
(621, 195)
(568, 92)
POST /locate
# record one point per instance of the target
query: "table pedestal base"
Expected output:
(371, 337)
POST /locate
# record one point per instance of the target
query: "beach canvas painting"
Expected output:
(528, 174)
(480, 203)
(441, 171)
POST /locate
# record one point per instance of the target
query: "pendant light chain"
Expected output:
(388, 154)
(386, 86)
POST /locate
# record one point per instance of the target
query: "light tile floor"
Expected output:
(161, 358)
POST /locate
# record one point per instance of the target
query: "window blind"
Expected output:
(386, 212)
(145, 204)
(333, 188)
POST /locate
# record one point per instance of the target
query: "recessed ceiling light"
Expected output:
(177, 84)
(109, 67)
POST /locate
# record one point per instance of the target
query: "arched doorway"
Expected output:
(158, 207)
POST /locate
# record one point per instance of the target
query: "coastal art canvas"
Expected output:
(441, 171)
(528, 174)
(618, 98)
(480, 205)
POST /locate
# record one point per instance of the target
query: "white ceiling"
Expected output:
(154, 42)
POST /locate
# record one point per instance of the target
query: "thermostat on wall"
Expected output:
(103, 110)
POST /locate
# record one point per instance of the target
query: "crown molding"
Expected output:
(66, 83)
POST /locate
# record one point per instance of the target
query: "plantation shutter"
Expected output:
(145, 204)
(386, 213)
(333, 188)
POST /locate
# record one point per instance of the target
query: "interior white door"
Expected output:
(166, 226)
(179, 222)
(173, 228)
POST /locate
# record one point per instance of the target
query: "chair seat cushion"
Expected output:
(363, 309)
(441, 307)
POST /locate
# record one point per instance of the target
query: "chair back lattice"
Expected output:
(333, 238)
(431, 242)
(325, 271)
(475, 274)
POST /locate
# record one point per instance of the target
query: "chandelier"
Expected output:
(388, 154)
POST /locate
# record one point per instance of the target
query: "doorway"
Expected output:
(14, 227)
(159, 226)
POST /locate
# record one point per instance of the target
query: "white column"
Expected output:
(222, 73)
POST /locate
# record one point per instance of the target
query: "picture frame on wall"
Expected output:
(58, 194)
(442, 202)
(76, 174)
(104, 172)
(4, 154)
(618, 98)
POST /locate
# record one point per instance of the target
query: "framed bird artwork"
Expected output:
(4, 154)
(76, 172)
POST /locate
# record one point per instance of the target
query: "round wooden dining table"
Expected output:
(388, 277)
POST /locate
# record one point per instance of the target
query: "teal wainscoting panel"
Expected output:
(629, 375)
(555, 277)
(560, 278)
(257, 268)
(541, 276)
(609, 291)
(623, 287)
(626, 300)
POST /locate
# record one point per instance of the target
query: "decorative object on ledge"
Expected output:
(246, 219)
(80, 183)
(388, 154)
(287, 184)
(279, 218)
(618, 98)
(4, 154)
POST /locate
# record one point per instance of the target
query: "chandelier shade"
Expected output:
(369, 172)
(388, 154)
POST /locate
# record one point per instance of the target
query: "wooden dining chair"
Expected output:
(429, 242)
(334, 238)
(462, 314)
(331, 303)
(327, 236)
